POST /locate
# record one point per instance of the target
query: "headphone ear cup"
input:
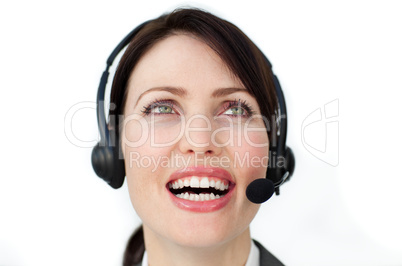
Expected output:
(275, 173)
(107, 165)
(290, 161)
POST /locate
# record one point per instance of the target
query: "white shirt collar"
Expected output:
(253, 257)
(145, 259)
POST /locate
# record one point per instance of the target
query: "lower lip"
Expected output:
(202, 206)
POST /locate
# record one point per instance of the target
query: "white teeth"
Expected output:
(218, 185)
(194, 182)
(202, 197)
(204, 182)
(198, 182)
(198, 197)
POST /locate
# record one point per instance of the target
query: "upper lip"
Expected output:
(201, 172)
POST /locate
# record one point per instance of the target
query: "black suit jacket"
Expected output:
(266, 258)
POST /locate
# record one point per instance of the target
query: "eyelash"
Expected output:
(242, 104)
(147, 109)
(157, 103)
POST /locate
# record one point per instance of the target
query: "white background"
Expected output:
(55, 211)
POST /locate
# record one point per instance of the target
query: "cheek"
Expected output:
(142, 156)
(166, 134)
(152, 132)
(144, 185)
(252, 156)
(134, 133)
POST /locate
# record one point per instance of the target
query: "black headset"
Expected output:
(109, 166)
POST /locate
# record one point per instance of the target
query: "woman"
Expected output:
(197, 97)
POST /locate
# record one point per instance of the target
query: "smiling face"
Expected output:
(192, 141)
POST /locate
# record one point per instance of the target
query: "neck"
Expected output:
(163, 252)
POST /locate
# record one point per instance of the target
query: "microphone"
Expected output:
(260, 190)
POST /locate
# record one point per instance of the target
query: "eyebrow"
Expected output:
(221, 92)
(227, 91)
(173, 90)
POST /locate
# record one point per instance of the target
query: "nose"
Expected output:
(197, 137)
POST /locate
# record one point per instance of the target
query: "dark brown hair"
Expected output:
(235, 49)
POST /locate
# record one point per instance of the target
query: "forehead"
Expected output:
(181, 61)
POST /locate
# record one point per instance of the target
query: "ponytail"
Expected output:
(135, 248)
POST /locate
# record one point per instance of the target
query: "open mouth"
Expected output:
(197, 188)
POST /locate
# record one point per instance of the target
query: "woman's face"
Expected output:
(192, 141)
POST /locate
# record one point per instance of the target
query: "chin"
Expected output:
(204, 238)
